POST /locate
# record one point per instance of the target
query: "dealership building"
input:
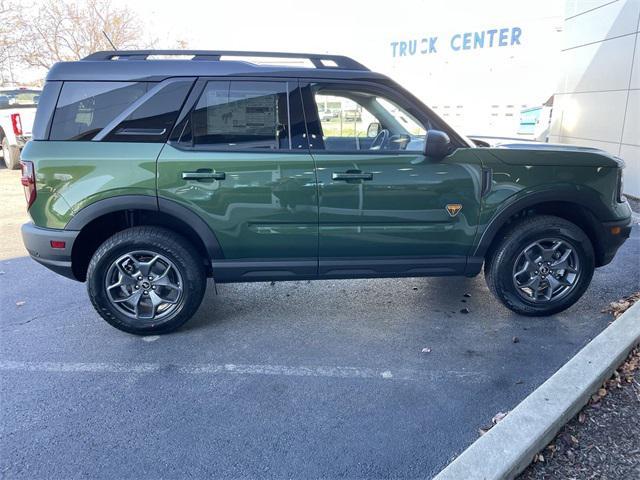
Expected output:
(486, 76)
(597, 103)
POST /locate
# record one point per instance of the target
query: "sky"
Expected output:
(525, 73)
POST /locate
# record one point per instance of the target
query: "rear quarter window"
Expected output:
(85, 108)
(46, 107)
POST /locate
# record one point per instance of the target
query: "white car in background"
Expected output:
(17, 112)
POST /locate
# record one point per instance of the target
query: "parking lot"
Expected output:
(351, 379)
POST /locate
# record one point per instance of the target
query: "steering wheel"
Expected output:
(381, 139)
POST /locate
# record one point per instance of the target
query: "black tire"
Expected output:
(171, 247)
(10, 154)
(500, 266)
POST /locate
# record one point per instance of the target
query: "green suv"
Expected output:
(147, 175)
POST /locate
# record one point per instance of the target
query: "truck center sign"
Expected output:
(495, 37)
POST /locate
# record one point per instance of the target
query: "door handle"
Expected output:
(346, 176)
(204, 175)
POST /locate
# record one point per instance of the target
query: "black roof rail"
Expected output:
(318, 60)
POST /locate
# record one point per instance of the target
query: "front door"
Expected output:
(385, 208)
(241, 162)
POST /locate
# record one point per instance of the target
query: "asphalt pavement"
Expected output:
(293, 380)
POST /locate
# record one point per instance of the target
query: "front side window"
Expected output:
(241, 115)
(348, 118)
(85, 108)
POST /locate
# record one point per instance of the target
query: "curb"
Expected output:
(509, 447)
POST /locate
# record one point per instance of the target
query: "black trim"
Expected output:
(569, 195)
(474, 266)
(37, 242)
(109, 205)
(281, 269)
(371, 267)
(145, 202)
(341, 61)
(487, 179)
(610, 242)
(256, 270)
(196, 222)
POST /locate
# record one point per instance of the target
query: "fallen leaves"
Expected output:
(497, 418)
(618, 307)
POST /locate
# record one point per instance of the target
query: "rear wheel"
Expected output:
(10, 154)
(542, 266)
(146, 280)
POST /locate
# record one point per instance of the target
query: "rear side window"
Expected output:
(85, 108)
(46, 107)
(241, 115)
(154, 118)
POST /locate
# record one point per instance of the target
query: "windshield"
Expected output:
(19, 98)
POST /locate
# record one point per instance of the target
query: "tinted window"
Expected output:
(242, 115)
(152, 121)
(46, 106)
(85, 108)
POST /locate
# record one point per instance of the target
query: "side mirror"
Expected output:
(373, 129)
(436, 144)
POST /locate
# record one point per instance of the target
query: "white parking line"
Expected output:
(230, 368)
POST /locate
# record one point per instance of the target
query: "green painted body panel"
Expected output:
(594, 178)
(543, 154)
(73, 175)
(267, 207)
(276, 205)
(402, 210)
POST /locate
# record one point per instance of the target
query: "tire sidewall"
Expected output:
(9, 155)
(192, 287)
(508, 256)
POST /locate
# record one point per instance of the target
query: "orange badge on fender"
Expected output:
(453, 209)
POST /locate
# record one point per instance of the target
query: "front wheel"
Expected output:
(542, 266)
(146, 280)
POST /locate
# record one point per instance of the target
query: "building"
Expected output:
(598, 99)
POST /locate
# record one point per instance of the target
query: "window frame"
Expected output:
(292, 86)
(311, 113)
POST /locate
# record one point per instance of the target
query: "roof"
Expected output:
(140, 65)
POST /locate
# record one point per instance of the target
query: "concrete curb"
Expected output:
(509, 447)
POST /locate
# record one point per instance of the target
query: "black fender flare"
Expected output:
(589, 201)
(150, 203)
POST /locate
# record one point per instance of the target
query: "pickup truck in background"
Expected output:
(17, 112)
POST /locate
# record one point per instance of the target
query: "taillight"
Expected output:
(16, 123)
(28, 180)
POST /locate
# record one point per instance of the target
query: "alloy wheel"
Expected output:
(144, 285)
(546, 270)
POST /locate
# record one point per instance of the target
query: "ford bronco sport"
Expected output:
(145, 176)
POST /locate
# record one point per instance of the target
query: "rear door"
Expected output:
(239, 159)
(385, 208)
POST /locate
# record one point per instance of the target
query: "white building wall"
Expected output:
(598, 99)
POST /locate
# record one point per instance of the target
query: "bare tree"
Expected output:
(63, 30)
(8, 40)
